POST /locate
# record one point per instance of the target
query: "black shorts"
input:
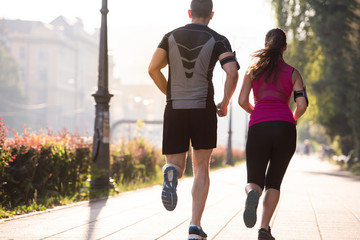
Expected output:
(269, 149)
(183, 125)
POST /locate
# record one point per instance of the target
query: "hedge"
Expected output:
(35, 167)
(40, 166)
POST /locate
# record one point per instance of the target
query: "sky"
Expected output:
(135, 28)
(144, 22)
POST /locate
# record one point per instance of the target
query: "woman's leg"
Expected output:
(258, 150)
(253, 186)
(284, 145)
(271, 199)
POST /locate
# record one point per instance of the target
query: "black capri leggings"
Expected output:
(270, 143)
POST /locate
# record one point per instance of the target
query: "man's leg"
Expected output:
(177, 161)
(200, 189)
(173, 169)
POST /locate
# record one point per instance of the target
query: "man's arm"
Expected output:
(158, 62)
(231, 70)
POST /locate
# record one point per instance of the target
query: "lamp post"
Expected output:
(101, 148)
(229, 159)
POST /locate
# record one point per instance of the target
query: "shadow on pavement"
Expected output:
(98, 199)
(340, 173)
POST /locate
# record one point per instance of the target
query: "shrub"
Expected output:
(217, 159)
(43, 165)
(38, 170)
(3, 133)
(134, 161)
(219, 155)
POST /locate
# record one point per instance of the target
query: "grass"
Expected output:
(85, 194)
(19, 210)
(354, 168)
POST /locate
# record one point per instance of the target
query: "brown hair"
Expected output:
(201, 8)
(266, 59)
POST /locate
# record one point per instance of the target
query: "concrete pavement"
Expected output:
(318, 202)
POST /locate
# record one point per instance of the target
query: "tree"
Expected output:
(323, 46)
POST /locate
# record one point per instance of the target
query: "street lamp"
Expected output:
(229, 159)
(101, 148)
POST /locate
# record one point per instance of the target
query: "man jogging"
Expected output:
(191, 53)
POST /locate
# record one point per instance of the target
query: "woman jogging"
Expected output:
(271, 139)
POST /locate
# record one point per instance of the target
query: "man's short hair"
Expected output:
(201, 8)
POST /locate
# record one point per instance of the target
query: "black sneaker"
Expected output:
(250, 208)
(196, 233)
(168, 195)
(265, 234)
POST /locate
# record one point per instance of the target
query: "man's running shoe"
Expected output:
(168, 195)
(265, 234)
(196, 233)
(250, 208)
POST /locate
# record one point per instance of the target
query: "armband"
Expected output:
(301, 93)
(230, 59)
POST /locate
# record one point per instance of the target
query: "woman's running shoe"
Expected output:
(168, 195)
(250, 208)
(196, 233)
(265, 234)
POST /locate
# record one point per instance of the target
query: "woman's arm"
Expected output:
(244, 94)
(301, 104)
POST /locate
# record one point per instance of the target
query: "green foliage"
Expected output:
(219, 155)
(218, 159)
(3, 133)
(134, 161)
(42, 170)
(21, 209)
(355, 168)
(42, 166)
(47, 169)
(4, 153)
(324, 45)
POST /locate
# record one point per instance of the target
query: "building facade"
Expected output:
(58, 72)
(57, 65)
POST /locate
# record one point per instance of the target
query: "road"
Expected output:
(318, 202)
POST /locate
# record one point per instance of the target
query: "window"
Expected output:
(42, 56)
(22, 53)
(42, 74)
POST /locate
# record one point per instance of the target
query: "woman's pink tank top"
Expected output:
(272, 99)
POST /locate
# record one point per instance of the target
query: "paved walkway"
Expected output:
(318, 201)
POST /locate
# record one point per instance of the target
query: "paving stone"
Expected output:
(318, 202)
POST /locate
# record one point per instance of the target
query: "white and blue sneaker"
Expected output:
(196, 233)
(168, 195)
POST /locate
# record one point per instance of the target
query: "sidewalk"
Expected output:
(318, 202)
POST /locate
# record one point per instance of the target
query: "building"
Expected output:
(58, 64)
